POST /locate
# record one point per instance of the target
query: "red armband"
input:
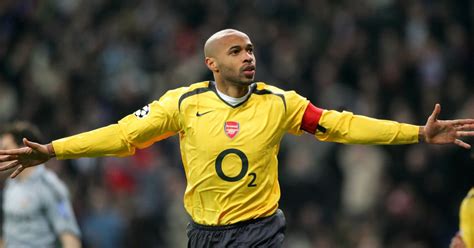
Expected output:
(311, 117)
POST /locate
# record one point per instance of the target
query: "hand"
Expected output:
(30, 155)
(457, 242)
(445, 132)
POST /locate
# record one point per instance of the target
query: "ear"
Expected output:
(212, 64)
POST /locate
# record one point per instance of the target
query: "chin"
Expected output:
(246, 82)
(241, 81)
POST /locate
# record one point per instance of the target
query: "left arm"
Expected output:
(348, 128)
(59, 212)
(69, 240)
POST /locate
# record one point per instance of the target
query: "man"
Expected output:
(465, 238)
(36, 208)
(230, 131)
(466, 219)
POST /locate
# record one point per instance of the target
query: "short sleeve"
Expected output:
(57, 206)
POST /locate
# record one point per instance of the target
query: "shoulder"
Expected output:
(287, 96)
(172, 99)
(270, 89)
(267, 88)
(470, 194)
(183, 93)
(193, 88)
(179, 94)
(53, 185)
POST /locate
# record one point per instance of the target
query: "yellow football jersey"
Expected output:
(466, 214)
(229, 153)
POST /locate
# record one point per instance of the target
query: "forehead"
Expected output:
(233, 39)
(6, 140)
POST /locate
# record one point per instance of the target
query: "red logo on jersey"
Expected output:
(231, 128)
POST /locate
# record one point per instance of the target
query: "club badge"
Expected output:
(231, 128)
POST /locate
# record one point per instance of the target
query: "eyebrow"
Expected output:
(238, 46)
(234, 47)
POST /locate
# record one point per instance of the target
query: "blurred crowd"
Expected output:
(74, 65)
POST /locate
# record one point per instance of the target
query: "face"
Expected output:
(7, 142)
(233, 60)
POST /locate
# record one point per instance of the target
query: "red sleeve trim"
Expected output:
(311, 117)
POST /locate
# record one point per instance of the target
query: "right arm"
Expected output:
(154, 122)
(112, 140)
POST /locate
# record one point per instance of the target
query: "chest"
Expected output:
(212, 125)
(21, 200)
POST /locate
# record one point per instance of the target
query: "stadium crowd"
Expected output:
(74, 65)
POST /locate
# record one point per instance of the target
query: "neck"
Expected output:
(232, 89)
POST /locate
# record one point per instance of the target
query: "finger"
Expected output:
(8, 158)
(462, 144)
(31, 144)
(36, 146)
(465, 133)
(18, 151)
(461, 122)
(10, 165)
(465, 127)
(17, 171)
(436, 111)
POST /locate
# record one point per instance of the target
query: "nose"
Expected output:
(248, 57)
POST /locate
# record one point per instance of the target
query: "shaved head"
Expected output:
(213, 43)
(229, 55)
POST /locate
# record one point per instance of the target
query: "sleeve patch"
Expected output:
(143, 112)
(63, 209)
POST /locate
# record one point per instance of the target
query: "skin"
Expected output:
(68, 240)
(229, 55)
(457, 242)
(7, 141)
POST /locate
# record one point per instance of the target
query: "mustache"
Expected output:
(248, 68)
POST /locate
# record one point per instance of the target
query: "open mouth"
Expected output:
(249, 71)
(249, 68)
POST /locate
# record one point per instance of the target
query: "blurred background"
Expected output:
(74, 65)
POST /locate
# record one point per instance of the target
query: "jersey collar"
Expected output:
(212, 87)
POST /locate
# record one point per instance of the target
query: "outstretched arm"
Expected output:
(105, 141)
(445, 132)
(120, 139)
(345, 127)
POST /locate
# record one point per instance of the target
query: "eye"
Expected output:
(234, 51)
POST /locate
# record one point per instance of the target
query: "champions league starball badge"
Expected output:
(142, 112)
